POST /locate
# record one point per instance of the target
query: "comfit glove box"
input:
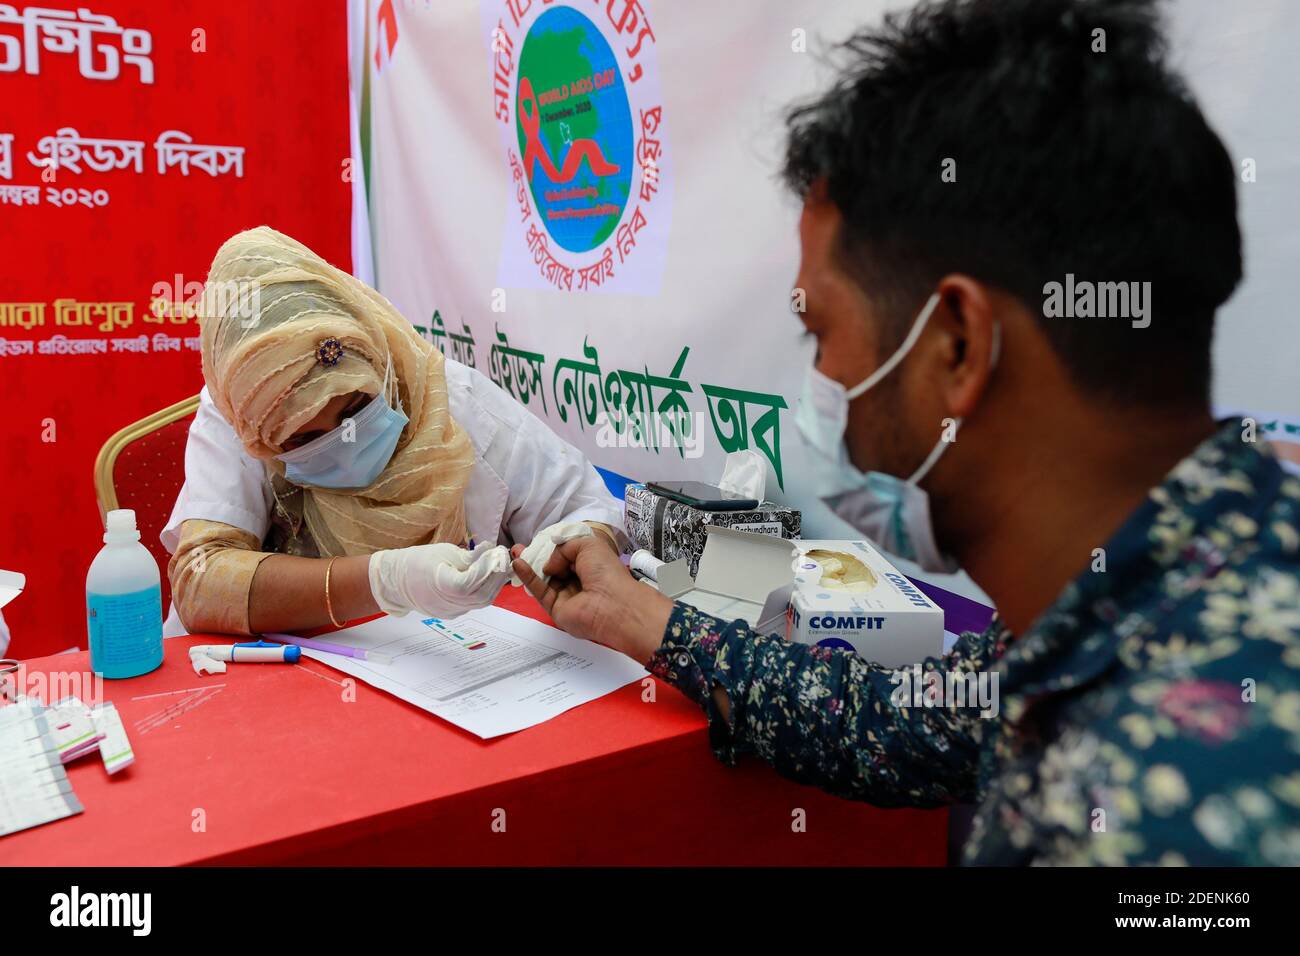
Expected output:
(822, 592)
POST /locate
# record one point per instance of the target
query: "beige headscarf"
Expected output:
(269, 304)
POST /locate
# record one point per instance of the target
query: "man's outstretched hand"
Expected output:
(591, 595)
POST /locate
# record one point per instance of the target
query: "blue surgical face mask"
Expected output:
(891, 511)
(352, 455)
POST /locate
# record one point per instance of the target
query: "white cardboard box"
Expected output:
(769, 583)
(893, 623)
(742, 574)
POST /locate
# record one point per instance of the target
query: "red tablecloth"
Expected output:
(274, 764)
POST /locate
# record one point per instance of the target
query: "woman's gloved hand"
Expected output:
(440, 580)
(543, 546)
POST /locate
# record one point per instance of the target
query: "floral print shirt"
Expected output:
(1150, 716)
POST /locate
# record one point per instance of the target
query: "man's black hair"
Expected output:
(1067, 160)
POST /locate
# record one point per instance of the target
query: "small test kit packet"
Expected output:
(114, 747)
(72, 728)
(76, 730)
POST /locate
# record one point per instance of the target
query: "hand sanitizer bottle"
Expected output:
(124, 602)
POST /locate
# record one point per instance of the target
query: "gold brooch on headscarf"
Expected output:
(329, 352)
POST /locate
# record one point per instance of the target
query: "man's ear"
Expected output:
(967, 316)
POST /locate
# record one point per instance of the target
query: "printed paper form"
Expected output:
(34, 788)
(490, 671)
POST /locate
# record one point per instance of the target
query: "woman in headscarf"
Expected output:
(338, 465)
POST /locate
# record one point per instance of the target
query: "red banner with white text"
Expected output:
(135, 137)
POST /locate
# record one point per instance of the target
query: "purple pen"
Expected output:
(341, 649)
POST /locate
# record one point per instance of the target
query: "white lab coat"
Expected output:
(525, 476)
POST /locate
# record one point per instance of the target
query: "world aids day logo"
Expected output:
(578, 100)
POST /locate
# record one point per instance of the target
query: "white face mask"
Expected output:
(350, 457)
(892, 512)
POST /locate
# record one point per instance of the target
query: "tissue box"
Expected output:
(889, 621)
(670, 530)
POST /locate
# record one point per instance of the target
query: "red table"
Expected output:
(273, 764)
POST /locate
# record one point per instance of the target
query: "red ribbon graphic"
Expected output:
(386, 22)
(535, 149)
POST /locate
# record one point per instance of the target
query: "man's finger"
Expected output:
(526, 577)
(538, 588)
(557, 565)
(593, 545)
(565, 556)
(574, 546)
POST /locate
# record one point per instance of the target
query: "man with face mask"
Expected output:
(893, 512)
(973, 157)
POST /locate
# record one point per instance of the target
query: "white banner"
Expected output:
(579, 197)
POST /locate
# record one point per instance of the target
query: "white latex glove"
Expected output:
(541, 548)
(440, 580)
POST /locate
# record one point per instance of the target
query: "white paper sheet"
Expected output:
(34, 788)
(490, 671)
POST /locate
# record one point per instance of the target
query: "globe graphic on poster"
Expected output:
(575, 129)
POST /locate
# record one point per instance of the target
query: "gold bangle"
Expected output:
(329, 605)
